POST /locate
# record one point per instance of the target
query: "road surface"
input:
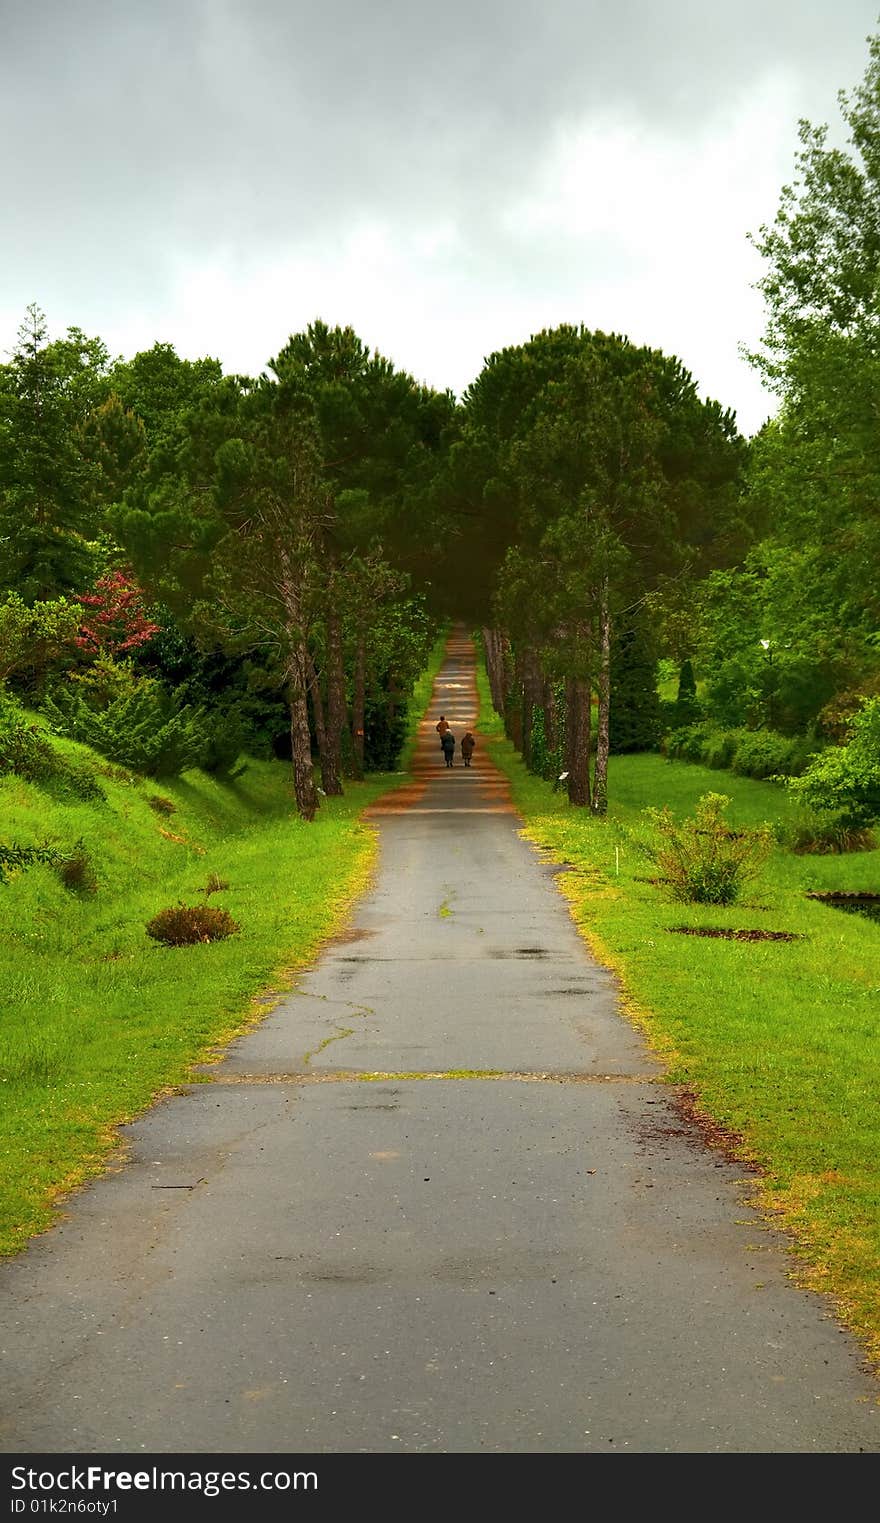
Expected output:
(504, 1240)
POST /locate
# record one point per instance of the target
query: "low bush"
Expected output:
(704, 861)
(185, 924)
(749, 753)
(765, 753)
(27, 751)
(76, 870)
(823, 835)
(141, 727)
(15, 858)
(844, 781)
(214, 885)
(161, 805)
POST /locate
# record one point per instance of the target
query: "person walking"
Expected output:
(447, 741)
(441, 727)
(468, 745)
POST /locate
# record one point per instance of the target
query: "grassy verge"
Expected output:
(778, 1040)
(97, 1018)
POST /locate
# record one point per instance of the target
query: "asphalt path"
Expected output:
(437, 1202)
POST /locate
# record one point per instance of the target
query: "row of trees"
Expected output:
(290, 538)
(229, 537)
(619, 519)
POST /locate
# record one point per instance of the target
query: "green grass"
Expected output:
(97, 1019)
(779, 1040)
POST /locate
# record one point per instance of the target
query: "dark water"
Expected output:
(870, 908)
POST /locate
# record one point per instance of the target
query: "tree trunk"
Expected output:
(493, 646)
(358, 703)
(532, 694)
(331, 761)
(317, 707)
(577, 739)
(600, 784)
(300, 741)
(513, 704)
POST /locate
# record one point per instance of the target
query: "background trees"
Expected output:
(268, 554)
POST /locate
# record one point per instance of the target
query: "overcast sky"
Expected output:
(448, 177)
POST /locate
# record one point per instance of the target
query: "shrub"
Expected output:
(844, 781)
(15, 858)
(766, 753)
(185, 924)
(225, 734)
(704, 861)
(161, 804)
(76, 871)
(705, 742)
(214, 885)
(822, 835)
(750, 753)
(32, 638)
(144, 727)
(27, 751)
(718, 748)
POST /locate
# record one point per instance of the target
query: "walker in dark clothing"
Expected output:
(467, 748)
(447, 740)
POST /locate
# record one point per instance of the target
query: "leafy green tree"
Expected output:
(814, 477)
(376, 426)
(160, 388)
(33, 638)
(614, 474)
(48, 514)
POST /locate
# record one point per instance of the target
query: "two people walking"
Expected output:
(447, 742)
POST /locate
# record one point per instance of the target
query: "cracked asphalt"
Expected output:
(437, 1202)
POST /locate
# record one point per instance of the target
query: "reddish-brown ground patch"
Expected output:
(728, 933)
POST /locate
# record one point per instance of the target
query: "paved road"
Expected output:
(505, 1242)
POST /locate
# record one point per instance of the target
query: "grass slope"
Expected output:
(97, 1018)
(779, 1040)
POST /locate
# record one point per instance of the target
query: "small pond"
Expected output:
(853, 904)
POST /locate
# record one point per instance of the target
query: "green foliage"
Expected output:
(814, 475)
(32, 639)
(808, 834)
(184, 925)
(385, 731)
(48, 520)
(141, 727)
(539, 760)
(635, 704)
(687, 707)
(15, 858)
(844, 781)
(750, 753)
(703, 859)
(27, 751)
(765, 753)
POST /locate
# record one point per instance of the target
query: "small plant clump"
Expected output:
(161, 805)
(704, 860)
(15, 858)
(810, 833)
(214, 885)
(76, 870)
(183, 925)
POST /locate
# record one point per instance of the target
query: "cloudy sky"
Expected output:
(448, 177)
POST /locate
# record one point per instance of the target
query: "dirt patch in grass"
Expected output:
(728, 933)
